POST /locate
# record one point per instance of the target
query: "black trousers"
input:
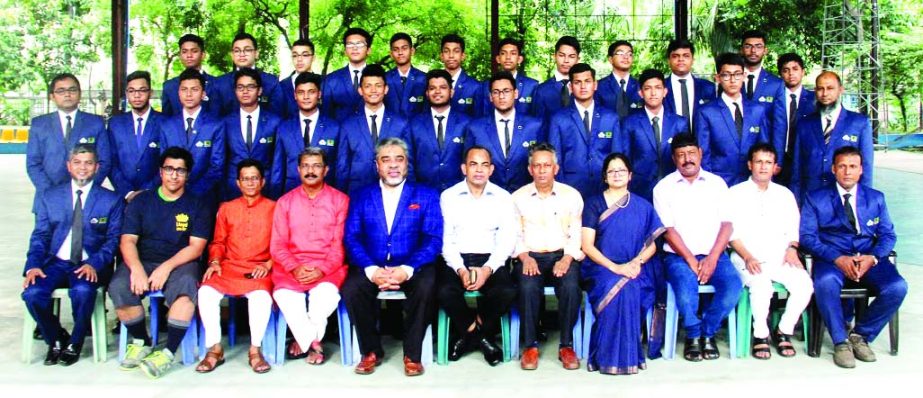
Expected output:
(497, 295)
(361, 298)
(532, 290)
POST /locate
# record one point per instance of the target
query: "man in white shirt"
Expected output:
(765, 242)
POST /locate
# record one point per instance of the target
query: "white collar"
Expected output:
(85, 189)
(498, 116)
(144, 115)
(194, 115)
(380, 112)
(730, 102)
(446, 113)
(580, 108)
(796, 91)
(650, 115)
(558, 76)
(842, 191)
(255, 114)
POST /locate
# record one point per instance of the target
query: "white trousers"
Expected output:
(308, 322)
(795, 279)
(259, 304)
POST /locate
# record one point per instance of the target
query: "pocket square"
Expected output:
(413, 206)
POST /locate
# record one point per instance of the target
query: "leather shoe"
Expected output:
(460, 347)
(568, 358)
(529, 359)
(37, 334)
(412, 368)
(492, 354)
(368, 363)
(53, 354)
(70, 355)
(709, 349)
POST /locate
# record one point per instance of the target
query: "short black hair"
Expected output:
(845, 151)
(438, 74)
(401, 36)
(62, 76)
(612, 156)
(248, 72)
(753, 34)
(304, 41)
(192, 74)
(617, 44)
(683, 140)
(361, 32)
(649, 74)
(509, 41)
(786, 58)
(175, 152)
(677, 44)
(567, 41)
(452, 38)
(305, 78)
(373, 70)
(762, 147)
(477, 148)
(729, 59)
(189, 37)
(543, 147)
(244, 36)
(83, 148)
(501, 75)
(313, 151)
(580, 68)
(139, 74)
(249, 162)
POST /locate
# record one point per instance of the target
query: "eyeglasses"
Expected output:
(355, 45)
(132, 91)
(501, 93)
(618, 172)
(239, 51)
(302, 55)
(179, 171)
(247, 87)
(622, 53)
(728, 76)
(250, 179)
(69, 90)
(754, 46)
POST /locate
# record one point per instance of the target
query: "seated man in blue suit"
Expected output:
(393, 237)
(509, 57)
(307, 128)
(619, 91)
(407, 83)
(760, 85)
(244, 53)
(75, 237)
(584, 133)
(135, 138)
(554, 94)
(819, 135)
(509, 135)
(437, 137)
(53, 135)
(200, 133)
(796, 102)
(361, 132)
(728, 127)
(647, 136)
(685, 92)
(341, 87)
(191, 55)
(251, 132)
(467, 95)
(302, 59)
(847, 229)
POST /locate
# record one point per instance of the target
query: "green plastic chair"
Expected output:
(745, 321)
(97, 327)
(442, 336)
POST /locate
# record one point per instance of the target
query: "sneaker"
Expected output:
(157, 363)
(135, 352)
(860, 348)
(843, 356)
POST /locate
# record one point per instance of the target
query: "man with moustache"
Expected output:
(341, 87)
(760, 85)
(302, 59)
(244, 53)
(509, 57)
(135, 136)
(466, 91)
(796, 102)
(407, 83)
(619, 91)
(554, 93)
(191, 55)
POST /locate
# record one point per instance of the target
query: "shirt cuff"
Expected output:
(407, 269)
(370, 271)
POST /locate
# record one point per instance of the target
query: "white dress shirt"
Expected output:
(455, 78)
(695, 210)
(832, 116)
(852, 200)
(194, 116)
(581, 109)
(352, 72)
(729, 102)
(254, 118)
(560, 76)
(676, 89)
(765, 221)
(478, 225)
(551, 223)
(618, 80)
(313, 118)
(501, 134)
(445, 120)
(788, 99)
(756, 78)
(62, 117)
(144, 118)
(64, 252)
(650, 118)
(390, 198)
(380, 113)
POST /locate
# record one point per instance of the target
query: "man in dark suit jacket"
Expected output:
(341, 87)
(302, 59)
(509, 135)
(584, 133)
(847, 229)
(393, 236)
(251, 132)
(307, 128)
(794, 103)
(759, 84)
(244, 53)
(509, 57)
(53, 135)
(191, 54)
(74, 241)
(407, 83)
(467, 91)
(554, 94)
(649, 150)
(437, 137)
(697, 92)
(819, 135)
(135, 139)
(362, 131)
(619, 91)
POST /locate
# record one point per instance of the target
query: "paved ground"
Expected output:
(900, 176)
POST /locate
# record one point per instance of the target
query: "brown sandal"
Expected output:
(316, 355)
(205, 366)
(257, 363)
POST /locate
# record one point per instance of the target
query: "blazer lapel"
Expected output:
(379, 206)
(494, 139)
(728, 120)
(578, 118)
(648, 130)
(402, 206)
(838, 207)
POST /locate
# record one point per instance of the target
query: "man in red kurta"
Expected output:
(307, 248)
(239, 265)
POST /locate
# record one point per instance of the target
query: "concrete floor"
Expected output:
(900, 175)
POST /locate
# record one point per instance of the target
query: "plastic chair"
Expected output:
(352, 356)
(581, 347)
(280, 330)
(672, 324)
(745, 321)
(269, 338)
(98, 330)
(442, 334)
(189, 341)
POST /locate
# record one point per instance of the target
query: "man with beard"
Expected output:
(244, 53)
(466, 91)
(191, 55)
(509, 58)
(302, 59)
(341, 87)
(619, 91)
(135, 136)
(555, 93)
(407, 83)
(798, 103)
(759, 85)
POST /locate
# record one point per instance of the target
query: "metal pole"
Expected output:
(681, 19)
(304, 18)
(494, 32)
(119, 53)
(875, 70)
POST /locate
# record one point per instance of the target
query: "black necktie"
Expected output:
(850, 216)
(750, 86)
(306, 137)
(565, 95)
(374, 130)
(506, 134)
(139, 132)
(586, 125)
(792, 119)
(655, 124)
(189, 130)
(827, 130)
(77, 231)
(249, 132)
(738, 120)
(440, 132)
(403, 80)
(67, 131)
(356, 79)
(684, 92)
(622, 107)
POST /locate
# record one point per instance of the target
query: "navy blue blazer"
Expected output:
(407, 98)
(768, 87)
(813, 160)
(608, 94)
(704, 93)
(290, 142)
(169, 96)
(415, 238)
(356, 153)
(102, 226)
(650, 163)
(207, 148)
(805, 107)
(46, 151)
(826, 233)
(511, 171)
(270, 100)
(289, 107)
(580, 159)
(468, 96)
(439, 168)
(340, 99)
(135, 168)
(547, 100)
(723, 152)
(264, 142)
(526, 87)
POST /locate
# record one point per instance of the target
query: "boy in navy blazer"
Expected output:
(794, 103)
(509, 57)
(407, 83)
(685, 92)
(302, 58)
(244, 53)
(437, 136)
(619, 91)
(251, 132)
(341, 87)
(467, 92)
(554, 94)
(191, 54)
(135, 138)
(759, 84)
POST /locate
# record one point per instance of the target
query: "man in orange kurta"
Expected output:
(307, 248)
(239, 265)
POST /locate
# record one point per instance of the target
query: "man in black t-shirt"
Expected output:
(163, 236)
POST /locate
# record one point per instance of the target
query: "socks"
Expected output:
(176, 330)
(137, 330)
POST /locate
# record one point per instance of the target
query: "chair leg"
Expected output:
(281, 329)
(232, 321)
(505, 336)
(427, 352)
(28, 325)
(744, 324)
(155, 303)
(588, 320)
(732, 334)
(816, 339)
(442, 338)
(514, 333)
(268, 345)
(893, 328)
(123, 341)
(671, 325)
(99, 333)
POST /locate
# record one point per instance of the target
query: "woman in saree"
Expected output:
(619, 233)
